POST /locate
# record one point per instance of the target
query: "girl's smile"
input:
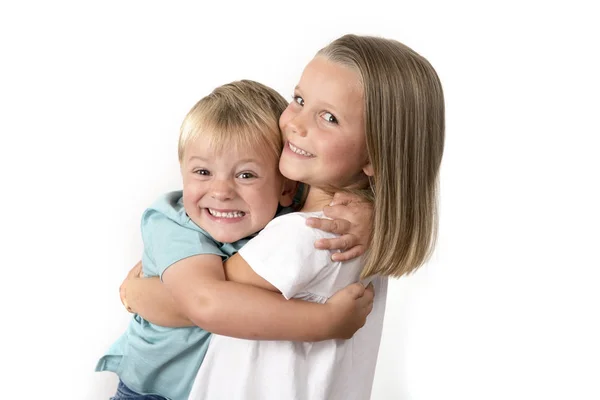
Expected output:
(297, 150)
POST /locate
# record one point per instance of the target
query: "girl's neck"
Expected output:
(316, 200)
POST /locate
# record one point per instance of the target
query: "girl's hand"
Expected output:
(134, 273)
(352, 220)
(349, 308)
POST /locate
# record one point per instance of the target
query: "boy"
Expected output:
(229, 150)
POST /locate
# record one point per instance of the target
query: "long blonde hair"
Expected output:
(404, 129)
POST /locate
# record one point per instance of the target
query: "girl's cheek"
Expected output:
(286, 117)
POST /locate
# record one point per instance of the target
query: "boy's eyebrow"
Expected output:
(249, 160)
(242, 161)
(196, 158)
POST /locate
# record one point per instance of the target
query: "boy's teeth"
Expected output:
(299, 151)
(231, 214)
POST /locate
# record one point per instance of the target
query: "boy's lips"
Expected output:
(227, 214)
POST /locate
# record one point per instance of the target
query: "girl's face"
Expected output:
(323, 128)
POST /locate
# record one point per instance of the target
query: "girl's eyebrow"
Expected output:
(321, 103)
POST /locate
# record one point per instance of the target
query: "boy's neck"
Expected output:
(316, 200)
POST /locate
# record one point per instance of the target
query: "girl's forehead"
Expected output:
(331, 80)
(333, 86)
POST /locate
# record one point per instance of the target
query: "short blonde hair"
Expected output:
(404, 130)
(243, 114)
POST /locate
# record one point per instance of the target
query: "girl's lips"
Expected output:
(297, 150)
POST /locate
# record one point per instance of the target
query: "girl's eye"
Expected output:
(329, 117)
(298, 100)
(203, 172)
(246, 175)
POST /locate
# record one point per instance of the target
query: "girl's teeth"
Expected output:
(299, 151)
(231, 214)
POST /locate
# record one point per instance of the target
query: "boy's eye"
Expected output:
(329, 117)
(299, 100)
(203, 172)
(246, 175)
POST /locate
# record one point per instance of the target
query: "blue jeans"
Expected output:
(124, 393)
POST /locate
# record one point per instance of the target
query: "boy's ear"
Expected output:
(368, 169)
(288, 191)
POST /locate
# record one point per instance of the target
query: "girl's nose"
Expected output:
(297, 125)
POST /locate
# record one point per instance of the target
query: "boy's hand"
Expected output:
(134, 273)
(349, 308)
(352, 220)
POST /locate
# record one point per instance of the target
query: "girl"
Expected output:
(367, 117)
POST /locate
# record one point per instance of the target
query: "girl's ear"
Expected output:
(288, 191)
(368, 169)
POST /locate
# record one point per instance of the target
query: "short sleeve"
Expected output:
(283, 254)
(167, 241)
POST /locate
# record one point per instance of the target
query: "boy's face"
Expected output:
(231, 194)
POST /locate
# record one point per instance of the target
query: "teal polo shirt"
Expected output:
(152, 359)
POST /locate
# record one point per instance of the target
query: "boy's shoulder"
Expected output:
(168, 206)
(170, 203)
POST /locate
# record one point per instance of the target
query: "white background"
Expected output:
(91, 98)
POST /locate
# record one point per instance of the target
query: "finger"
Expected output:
(351, 253)
(337, 226)
(124, 299)
(334, 226)
(338, 212)
(366, 301)
(135, 270)
(345, 242)
(337, 243)
(315, 222)
(342, 198)
(356, 290)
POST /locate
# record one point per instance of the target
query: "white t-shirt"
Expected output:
(284, 254)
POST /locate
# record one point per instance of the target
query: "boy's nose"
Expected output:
(222, 190)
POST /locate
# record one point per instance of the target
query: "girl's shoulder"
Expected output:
(295, 224)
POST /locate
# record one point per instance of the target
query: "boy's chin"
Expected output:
(226, 237)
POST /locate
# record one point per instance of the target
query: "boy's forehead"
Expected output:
(208, 147)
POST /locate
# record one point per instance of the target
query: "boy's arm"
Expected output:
(149, 298)
(153, 301)
(352, 220)
(238, 310)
